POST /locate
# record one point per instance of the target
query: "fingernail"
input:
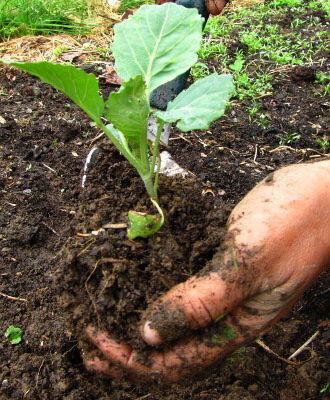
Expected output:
(151, 336)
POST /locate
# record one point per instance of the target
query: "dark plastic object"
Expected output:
(161, 96)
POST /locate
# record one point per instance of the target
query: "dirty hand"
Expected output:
(214, 6)
(278, 242)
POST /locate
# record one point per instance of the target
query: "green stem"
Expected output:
(155, 154)
(148, 183)
(125, 151)
(144, 145)
(143, 167)
(156, 179)
(162, 217)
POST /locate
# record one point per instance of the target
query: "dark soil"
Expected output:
(44, 140)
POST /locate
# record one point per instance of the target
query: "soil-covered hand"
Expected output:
(214, 6)
(278, 242)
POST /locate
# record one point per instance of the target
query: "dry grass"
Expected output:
(43, 48)
(235, 4)
(87, 48)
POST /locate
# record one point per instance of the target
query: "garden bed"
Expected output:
(44, 140)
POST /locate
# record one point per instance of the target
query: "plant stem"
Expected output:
(148, 183)
(156, 179)
(155, 203)
(155, 154)
(125, 151)
(145, 170)
(144, 154)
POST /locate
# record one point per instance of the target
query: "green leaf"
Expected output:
(117, 135)
(14, 334)
(202, 103)
(238, 65)
(157, 42)
(143, 225)
(128, 110)
(82, 88)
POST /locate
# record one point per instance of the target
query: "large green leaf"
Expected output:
(203, 102)
(82, 88)
(128, 110)
(157, 42)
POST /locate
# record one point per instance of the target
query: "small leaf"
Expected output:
(238, 65)
(202, 103)
(82, 88)
(14, 334)
(143, 225)
(128, 110)
(157, 42)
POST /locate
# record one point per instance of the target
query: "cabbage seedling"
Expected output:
(151, 47)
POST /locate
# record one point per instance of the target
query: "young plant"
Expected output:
(151, 48)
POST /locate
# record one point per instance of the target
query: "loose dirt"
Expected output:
(44, 140)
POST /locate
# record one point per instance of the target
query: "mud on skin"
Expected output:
(177, 325)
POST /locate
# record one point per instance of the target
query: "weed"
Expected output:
(103, 52)
(324, 143)
(200, 71)
(13, 334)
(212, 48)
(287, 3)
(60, 50)
(288, 138)
(238, 63)
(323, 80)
(253, 110)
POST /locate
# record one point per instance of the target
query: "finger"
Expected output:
(119, 359)
(185, 358)
(95, 362)
(197, 352)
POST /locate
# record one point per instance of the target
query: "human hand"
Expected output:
(214, 6)
(278, 242)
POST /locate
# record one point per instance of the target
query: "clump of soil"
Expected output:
(107, 279)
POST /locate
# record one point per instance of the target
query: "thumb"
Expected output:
(196, 303)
